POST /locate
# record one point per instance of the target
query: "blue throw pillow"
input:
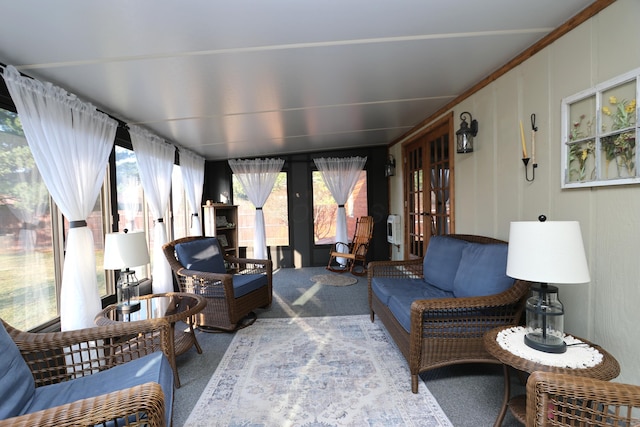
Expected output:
(17, 387)
(482, 271)
(201, 255)
(441, 261)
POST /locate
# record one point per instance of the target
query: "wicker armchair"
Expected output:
(555, 399)
(445, 331)
(63, 357)
(225, 309)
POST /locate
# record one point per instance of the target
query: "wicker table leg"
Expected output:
(505, 397)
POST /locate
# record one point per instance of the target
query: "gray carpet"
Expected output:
(470, 395)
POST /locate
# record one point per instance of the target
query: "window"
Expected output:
(132, 211)
(600, 130)
(275, 210)
(180, 205)
(325, 208)
(27, 262)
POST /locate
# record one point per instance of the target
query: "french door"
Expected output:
(428, 161)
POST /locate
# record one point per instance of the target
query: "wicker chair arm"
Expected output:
(511, 296)
(604, 402)
(51, 355)
(266, 263)
(147, 399)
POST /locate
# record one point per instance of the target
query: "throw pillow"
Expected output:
(441, 261)
(482, 271)
(201, 255)
(16, 382)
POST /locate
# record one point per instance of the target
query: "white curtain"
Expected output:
(340, 176)
(192, 169)
(257, 178)
(70, 142)
(155, 163)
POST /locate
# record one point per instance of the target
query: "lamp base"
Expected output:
(548, 344)
(128, 308)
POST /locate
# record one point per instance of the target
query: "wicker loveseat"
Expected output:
(438, 308)
(106, 375)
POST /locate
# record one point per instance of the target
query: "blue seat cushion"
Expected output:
(17, 387)
(441, 261)
(482, 271)
(402, 298)
(150, 368)
(385, 287)
(201, 255)
(244, 284)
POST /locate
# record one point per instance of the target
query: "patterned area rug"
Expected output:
(334, 279)
(314, 372)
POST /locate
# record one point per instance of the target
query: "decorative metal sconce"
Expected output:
(390, 166)
(465, 134)
(525, 158)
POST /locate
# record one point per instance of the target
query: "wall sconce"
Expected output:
(390, 166)
(465, 134)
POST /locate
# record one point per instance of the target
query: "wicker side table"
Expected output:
(606, 370)
(173, 307)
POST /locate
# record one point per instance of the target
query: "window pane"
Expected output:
(129, 194)
(181, 215)
(325, 209)
(275, 210)
(27, 282)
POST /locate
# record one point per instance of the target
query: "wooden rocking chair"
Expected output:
(357, 255)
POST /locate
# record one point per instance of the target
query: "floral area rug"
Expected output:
(314, 372)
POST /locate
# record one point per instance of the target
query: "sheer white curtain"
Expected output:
(340, 176)
(155, 160)
(257, 178)
(70, 142)
(192, 170)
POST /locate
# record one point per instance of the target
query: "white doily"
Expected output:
(576, 356)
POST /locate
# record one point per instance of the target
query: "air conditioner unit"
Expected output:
(394, 232)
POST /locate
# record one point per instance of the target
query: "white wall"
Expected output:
(491, 190)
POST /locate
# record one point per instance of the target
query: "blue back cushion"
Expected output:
(201, 255)
(17, 387)
(482, 271)
(441, 261)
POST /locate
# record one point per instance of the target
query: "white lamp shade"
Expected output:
(124, 250)
(547, 252)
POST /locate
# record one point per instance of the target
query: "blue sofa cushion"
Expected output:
(402, 298)
(150, 368)
(385, 287)
(244, 284)
(201, 255)
(441, 261)
(482, 271)
(17, 387)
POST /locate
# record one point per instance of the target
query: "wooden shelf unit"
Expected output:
(221, 221)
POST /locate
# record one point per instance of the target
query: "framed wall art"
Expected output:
(599, 134)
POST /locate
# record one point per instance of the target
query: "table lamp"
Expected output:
(122, 251)
(546, 252)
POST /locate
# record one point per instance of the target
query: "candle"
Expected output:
(524, 145)
(533, 146)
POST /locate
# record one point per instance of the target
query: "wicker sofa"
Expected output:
(51, 379)
(437, 308)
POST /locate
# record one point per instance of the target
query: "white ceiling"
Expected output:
(239, 78)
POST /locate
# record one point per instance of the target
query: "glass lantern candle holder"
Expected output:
(545, 320)
(128, 292)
